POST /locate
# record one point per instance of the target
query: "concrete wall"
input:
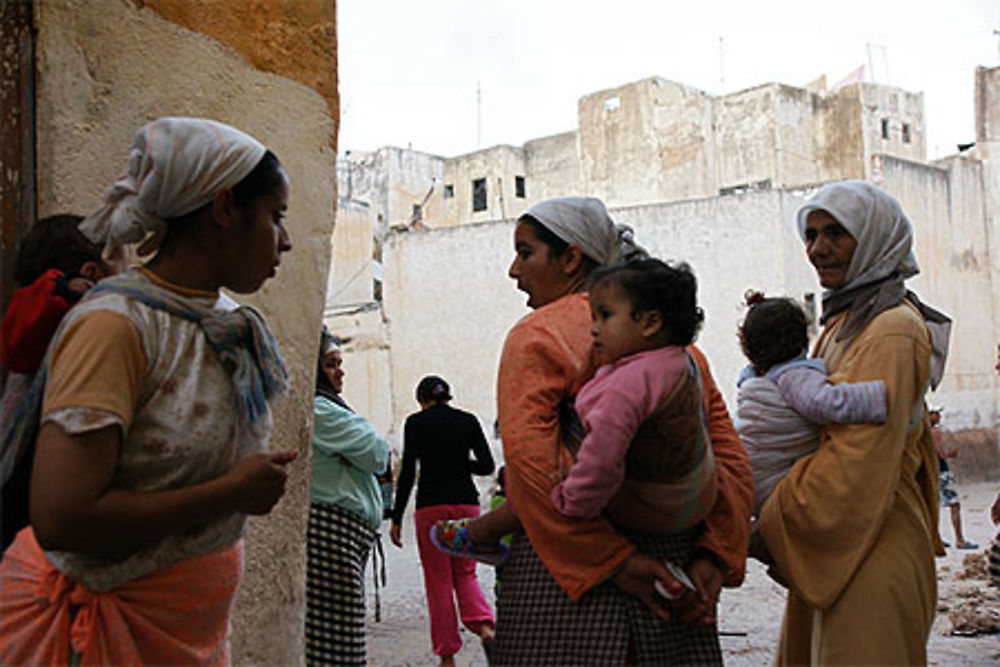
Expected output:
(552, 166)
(987, 105)
(745, 138)
(352, 268)
(105, 67)
(645, 142)
(448, 302)
(499, 166)
(904, 112)
(946, 208)
(655, 140)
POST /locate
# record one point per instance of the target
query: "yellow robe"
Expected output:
(853, 527)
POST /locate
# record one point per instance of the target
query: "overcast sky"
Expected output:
(409, 69)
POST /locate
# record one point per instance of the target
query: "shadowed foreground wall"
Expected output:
(106, 67)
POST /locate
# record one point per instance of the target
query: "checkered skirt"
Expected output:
(338, 548)
(538, 624)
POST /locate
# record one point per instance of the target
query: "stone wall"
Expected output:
(106, 67)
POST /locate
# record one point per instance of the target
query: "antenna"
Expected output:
(722, 65)
(479, 115)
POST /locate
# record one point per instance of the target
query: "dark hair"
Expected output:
(774, 330)
(261, 181)
(433, 389)
(54, 242)
(555, 244)
(654, 285)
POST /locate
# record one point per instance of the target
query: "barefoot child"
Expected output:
(645, 457)
(784, 398)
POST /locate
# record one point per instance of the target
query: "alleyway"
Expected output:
(401, 638)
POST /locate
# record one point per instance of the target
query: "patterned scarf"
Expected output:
(241, 338)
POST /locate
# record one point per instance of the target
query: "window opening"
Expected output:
(479, 194)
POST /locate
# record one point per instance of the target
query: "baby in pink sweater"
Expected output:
(645, 458)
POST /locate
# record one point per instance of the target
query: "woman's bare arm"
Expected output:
(74, 506)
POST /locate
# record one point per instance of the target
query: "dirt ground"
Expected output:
(752, 613)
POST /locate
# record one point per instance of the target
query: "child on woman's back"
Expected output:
(646, 457)
(56, 265)
(783, 398)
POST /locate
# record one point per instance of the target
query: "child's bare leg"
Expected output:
(490, 527)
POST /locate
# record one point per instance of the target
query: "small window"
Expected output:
(613, 103)
(906, 133)
(885, 128)
(519, 186)
(449, 191)
(479, 195)
(418, 213)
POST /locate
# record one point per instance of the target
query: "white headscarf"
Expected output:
(176, 166)
(883, 259)
(585, 223)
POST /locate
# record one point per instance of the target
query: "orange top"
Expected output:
(547, 357)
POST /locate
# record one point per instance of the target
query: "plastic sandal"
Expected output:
(454, 540)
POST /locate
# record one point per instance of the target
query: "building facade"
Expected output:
(714, 181)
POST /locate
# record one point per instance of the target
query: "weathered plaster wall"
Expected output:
(552, 166)
(745, 137)
(950, 242)
(987, 104)
(797, 137)
(899, 107)
(655, 140)
(105, 67)
(294, 38)
(351, 265)
(646, 141)
(448, 301)
(843, 152)
(499, 165)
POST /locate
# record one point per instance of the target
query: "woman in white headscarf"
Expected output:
(579, 591)
(155, 417)
(853, 527)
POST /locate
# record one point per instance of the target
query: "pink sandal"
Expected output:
(454, 540)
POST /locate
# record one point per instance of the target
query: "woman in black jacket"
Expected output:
(441, 437)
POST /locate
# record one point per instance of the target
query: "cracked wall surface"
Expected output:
(106, 67)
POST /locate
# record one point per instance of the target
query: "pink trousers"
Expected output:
(445, 578)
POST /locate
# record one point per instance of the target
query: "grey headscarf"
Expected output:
(585, 223)
(882, 261)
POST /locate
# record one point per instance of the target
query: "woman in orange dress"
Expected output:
(579, 591)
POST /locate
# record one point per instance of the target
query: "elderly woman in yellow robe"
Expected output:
(853, 527)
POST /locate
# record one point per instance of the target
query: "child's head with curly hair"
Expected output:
(775, 330)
